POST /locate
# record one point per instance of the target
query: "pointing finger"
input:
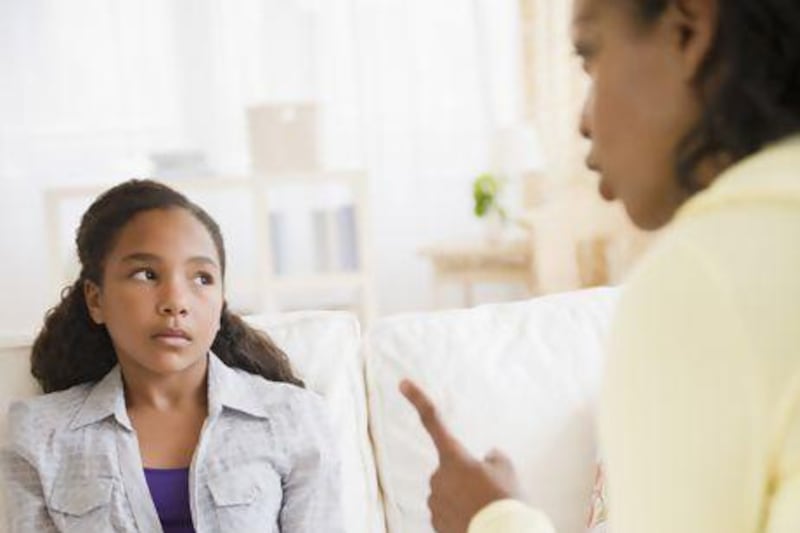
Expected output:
(447, 446)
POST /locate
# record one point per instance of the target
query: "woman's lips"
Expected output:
(603, 186)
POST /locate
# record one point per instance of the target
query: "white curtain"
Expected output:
(555, 86)
(88, 88)
(555, 92)
(409, 90)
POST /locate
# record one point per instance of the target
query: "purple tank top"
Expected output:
(169, 488)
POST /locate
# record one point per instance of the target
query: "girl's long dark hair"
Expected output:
(749, 83)
(72, 349)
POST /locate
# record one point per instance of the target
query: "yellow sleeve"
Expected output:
(510, 516)
(697, 416)
(783, 509)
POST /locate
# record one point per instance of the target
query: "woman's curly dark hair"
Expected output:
(749, 82)
(72, 349)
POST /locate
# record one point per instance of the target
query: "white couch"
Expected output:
(520, 376)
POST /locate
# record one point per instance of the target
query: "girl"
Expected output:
(164, 410)
(694, 120)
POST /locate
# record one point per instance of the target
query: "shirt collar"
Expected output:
(227, 387)
(106, 398)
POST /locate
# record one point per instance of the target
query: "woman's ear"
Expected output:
(91, 293)
(693, 24)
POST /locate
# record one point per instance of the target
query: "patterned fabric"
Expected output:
(598, 510)
(265, 461)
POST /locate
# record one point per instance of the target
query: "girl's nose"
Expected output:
(173, 301)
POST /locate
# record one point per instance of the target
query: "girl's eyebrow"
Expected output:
(143, 257)
(202, 259)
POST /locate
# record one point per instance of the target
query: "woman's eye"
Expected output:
(144, 274)
(586, 54)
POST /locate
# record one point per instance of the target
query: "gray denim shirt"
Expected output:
(266, 461)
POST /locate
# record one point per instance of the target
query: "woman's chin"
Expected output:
(648, 219)
(605, 190)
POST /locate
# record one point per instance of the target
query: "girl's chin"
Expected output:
(166, 362)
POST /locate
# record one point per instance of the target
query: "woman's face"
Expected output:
(161, 296)
(641, 101)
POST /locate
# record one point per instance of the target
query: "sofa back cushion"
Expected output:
(522, 377)
(324, 349)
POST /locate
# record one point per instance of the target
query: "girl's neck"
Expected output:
(145, 389)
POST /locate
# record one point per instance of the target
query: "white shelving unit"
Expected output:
(265, 288)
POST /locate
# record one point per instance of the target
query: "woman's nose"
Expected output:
(585, 124)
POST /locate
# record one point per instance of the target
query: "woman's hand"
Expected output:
(463, 484)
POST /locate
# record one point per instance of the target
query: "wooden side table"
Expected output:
(470, 263)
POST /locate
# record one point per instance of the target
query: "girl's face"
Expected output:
(161, 296)
(641, 100)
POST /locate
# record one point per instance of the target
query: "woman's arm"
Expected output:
(701, 422)
(25, 504)
(313, 488)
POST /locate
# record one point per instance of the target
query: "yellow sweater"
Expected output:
(701, 403)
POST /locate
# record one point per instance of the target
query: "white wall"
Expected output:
(410, 91)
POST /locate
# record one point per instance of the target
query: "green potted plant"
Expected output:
(486, 191)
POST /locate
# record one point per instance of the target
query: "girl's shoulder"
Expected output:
(297, 415)
(34, 419)
(300, 407)
(273, 393)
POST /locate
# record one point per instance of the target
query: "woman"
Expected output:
(694, 116)
(164, 411)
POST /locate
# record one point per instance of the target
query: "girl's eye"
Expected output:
(144, 274)
(203, 278)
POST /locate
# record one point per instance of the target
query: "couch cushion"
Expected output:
(324, 348)
(519, 376)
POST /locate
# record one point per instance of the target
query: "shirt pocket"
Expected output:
(82, 504)
(246, 497)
